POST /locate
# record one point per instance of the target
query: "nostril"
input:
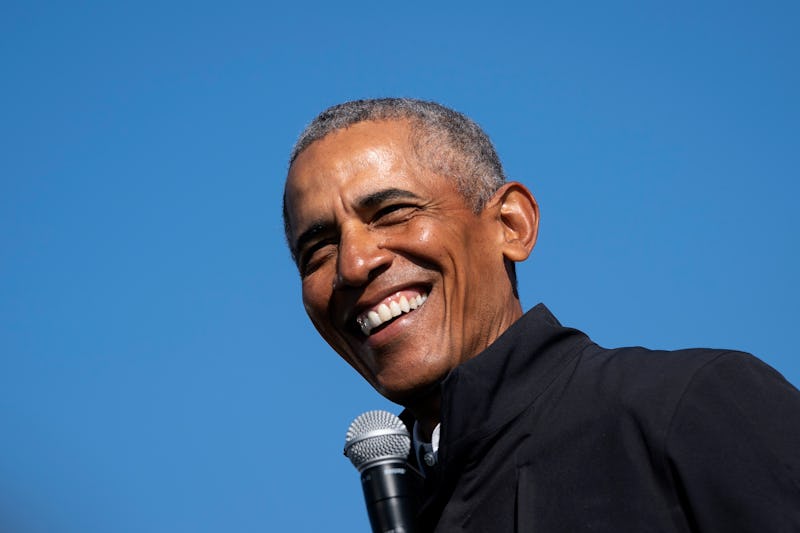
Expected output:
(361, 274)
(360, 259)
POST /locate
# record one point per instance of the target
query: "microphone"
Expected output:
(377, 443)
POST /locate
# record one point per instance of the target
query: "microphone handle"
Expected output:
(390, 503)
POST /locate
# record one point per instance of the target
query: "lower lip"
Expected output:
(393, 329)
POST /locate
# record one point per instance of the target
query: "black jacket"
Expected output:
(547, 432)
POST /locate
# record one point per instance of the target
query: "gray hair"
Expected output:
(447, 143)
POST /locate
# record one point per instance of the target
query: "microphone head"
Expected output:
(376, 436)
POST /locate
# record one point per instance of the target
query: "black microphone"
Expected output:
(377, 443)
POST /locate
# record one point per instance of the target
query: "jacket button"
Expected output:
(429, 458)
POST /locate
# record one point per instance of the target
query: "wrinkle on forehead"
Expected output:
(363, 145)
(345, 161)
(345, 171)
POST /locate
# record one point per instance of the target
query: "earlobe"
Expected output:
(519, 220)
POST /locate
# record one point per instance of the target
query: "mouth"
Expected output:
(400, 303)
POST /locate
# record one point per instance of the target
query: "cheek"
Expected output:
(423, 234)
(430, 239)
(316, 301)
(443, 245)
(316, 295)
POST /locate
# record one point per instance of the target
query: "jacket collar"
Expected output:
(484, 394)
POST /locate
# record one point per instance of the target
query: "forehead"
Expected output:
(351, 163)
(349, 150)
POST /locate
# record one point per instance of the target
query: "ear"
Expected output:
(519, 220)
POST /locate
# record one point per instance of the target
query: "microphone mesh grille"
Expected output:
(376, 435)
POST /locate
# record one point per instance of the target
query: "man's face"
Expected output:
(399, 275)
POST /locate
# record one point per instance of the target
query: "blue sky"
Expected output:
(157, 370)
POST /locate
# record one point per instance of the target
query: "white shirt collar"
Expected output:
(427, 452)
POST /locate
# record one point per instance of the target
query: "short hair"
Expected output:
(445, 141)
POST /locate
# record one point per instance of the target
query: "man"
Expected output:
(405, 234)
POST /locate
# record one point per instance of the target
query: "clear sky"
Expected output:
(157, 370)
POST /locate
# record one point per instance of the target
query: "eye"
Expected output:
(394, 213)
(313, 257)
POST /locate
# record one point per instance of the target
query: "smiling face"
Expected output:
(399, 275)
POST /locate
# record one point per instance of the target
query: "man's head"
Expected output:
(447, 142)
(405, 237)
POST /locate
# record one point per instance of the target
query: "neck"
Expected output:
(427, 414)
(426, 407)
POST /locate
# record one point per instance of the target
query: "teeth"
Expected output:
(404, 306)
(374, 319)
(385, 312)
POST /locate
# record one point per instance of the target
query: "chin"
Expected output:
(407, 394)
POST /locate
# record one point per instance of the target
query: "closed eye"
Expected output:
(393, 213)
(315, 255)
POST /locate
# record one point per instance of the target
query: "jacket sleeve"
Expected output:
(733, 447)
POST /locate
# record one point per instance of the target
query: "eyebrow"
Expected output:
(363, 202)
(378, 197)
(309, 235)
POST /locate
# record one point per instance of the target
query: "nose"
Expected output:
(362, 256)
